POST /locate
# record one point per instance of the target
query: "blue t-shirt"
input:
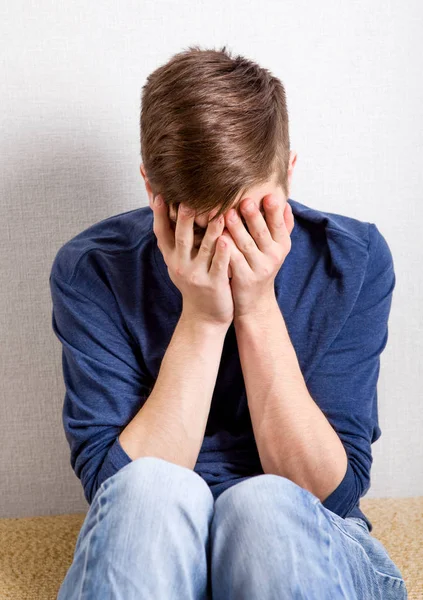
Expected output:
(115, 309)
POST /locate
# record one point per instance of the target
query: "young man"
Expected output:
(221, 375)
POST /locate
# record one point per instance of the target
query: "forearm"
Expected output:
(172, 422)
(293, 436)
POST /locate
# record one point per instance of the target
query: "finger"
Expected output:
(184, 232)
(275, 218)
(207, 247)
(257, 226)
(243, 240)
(240, 268)
(161, 225)
(220, 259)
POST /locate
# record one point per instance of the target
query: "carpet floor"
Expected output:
(36, 552)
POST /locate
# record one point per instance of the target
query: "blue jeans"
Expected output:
(154, 531)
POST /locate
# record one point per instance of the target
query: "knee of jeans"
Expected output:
(266, 491)
(156, 476)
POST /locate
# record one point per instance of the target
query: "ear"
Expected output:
(292, 162)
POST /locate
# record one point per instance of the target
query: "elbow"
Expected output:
(346, 496)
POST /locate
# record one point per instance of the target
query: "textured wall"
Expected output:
(71, 76)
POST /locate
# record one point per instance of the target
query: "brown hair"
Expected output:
(212, 125)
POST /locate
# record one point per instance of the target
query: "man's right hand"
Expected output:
(201, 276)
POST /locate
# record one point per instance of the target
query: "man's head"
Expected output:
(214, 130)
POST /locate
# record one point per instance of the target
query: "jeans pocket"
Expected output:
(387, 574)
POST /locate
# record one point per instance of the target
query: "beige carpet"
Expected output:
(36, 552)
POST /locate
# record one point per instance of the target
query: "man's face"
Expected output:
(256, 193)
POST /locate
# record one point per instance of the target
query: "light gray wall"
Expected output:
(71, 76)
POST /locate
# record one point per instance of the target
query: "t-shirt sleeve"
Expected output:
(105, 383)
(344, 383)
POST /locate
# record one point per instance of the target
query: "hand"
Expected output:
(201, 276)
(256, 256)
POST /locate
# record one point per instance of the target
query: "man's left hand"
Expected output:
(257, 254)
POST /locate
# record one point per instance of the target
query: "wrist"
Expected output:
(207, 326)
(261, 311)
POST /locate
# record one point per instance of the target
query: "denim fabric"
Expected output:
(154, 531)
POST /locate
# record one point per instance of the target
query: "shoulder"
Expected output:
(343, 236)
(107, 242)
(314, 219)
